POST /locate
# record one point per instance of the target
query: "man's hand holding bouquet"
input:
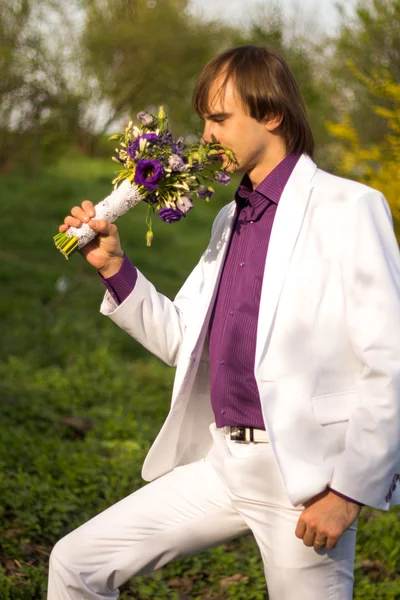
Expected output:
(156, 168)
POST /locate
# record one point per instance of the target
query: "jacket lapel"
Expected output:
(215, 256)
(287, 225)
(219, 252)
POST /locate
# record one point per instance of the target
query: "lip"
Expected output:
(226, 161)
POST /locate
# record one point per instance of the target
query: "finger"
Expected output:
(319, 542)
(102, 227)
(309, 537)
(88, 207)
(80, 214)
(72, 222)
(300, 529)
(63, 228)
(331, 542)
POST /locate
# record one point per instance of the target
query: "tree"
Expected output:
(371, 40)
(376, 164)
(142, 54)
(39, 110)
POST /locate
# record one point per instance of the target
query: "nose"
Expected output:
(208, 132)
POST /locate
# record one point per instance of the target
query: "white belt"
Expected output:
(246, 435)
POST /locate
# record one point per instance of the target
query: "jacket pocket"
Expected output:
(334, 408)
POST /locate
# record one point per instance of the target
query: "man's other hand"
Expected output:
(324, 519)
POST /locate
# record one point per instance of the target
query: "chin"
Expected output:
(239, 169)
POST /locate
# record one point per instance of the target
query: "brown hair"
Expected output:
(267, 89)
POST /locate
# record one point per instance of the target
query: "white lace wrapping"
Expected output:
(125, 197)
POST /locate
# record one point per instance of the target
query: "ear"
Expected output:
(273, 123)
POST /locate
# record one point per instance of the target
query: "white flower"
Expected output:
(176, 163)
(145, 118)
(184, 204)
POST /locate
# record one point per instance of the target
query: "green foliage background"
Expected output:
(59, 358)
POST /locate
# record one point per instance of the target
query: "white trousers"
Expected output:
(237, 488)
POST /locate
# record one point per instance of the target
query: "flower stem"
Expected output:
(66, 245)
(149, 234)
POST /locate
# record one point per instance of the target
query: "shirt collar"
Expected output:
(270, 188)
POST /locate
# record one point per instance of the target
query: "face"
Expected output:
(252, 142)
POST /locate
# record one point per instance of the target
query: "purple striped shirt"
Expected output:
(233, 327)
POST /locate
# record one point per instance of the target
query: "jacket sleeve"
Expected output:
(154, 320)
(369, 465)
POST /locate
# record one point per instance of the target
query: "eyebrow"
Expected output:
(220, 115)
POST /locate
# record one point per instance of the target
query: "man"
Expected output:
(285, 415)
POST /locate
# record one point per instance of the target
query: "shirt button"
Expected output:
(223, 411)
(221, 362)
(242, 263)
(251, 221)
(232, 312)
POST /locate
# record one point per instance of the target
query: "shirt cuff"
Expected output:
(122, 283)
(345, 497)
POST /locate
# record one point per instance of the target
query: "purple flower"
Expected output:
(170, 215)
(134, 146)
(204, 192)
(222, 178)
(176, 163)
(148, 173)
(184, 204)
(179, 146)
(166, 138)
(145, 118)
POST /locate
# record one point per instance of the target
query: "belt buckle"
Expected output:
(238, 434)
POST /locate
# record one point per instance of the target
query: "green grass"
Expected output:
(60, 358)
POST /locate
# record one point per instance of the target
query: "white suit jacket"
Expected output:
(327, 361)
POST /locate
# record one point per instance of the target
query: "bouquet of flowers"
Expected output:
(159, 169)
